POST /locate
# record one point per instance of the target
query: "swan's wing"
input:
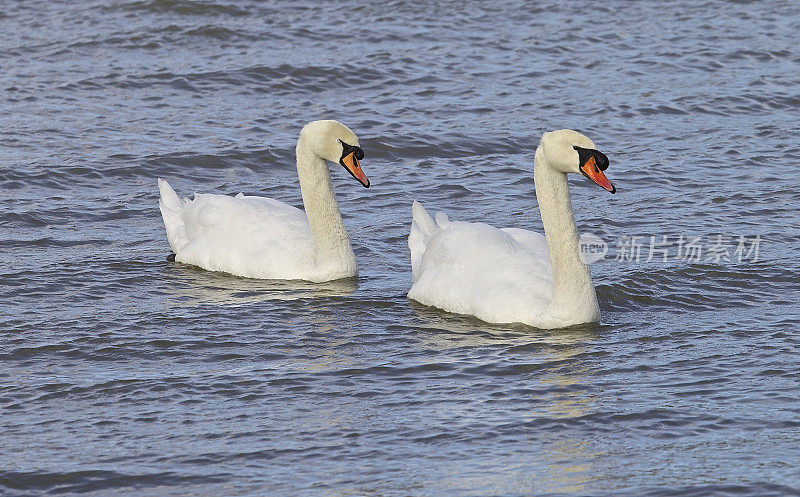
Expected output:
(474, 268)
(243, 235)
(535, 242)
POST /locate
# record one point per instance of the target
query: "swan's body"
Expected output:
(513, 275)
(259, 237)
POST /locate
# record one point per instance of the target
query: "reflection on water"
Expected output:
(332, 349)
(570, 459)
(194, 285)
(568, 463)
(468, 327)
(565, 475)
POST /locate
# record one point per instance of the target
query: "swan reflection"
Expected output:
(197, 286)
(543, 380)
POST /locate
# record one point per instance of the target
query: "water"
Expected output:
(123, 374)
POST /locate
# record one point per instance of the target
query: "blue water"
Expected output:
(124, 374)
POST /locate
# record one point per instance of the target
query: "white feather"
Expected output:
(260, 237)
(510, 275)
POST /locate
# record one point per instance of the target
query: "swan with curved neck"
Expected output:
(512, 275)
(259, 237)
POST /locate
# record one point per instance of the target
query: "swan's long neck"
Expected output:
(331, 242)
(573, 292)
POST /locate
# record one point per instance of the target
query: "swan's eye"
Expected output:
(602, 161)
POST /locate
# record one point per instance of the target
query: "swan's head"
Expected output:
(571, 152)
(335, 142)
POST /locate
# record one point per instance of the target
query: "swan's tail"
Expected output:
(171, 206)
(422, 228)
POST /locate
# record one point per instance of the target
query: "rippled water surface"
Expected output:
(123, 374)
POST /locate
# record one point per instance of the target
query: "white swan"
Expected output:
(258, 237)
(513, 275)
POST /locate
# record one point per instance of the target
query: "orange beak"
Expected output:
(350, 162)
(591, 171)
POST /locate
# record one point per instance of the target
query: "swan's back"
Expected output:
(498, 275)
(248, 236)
